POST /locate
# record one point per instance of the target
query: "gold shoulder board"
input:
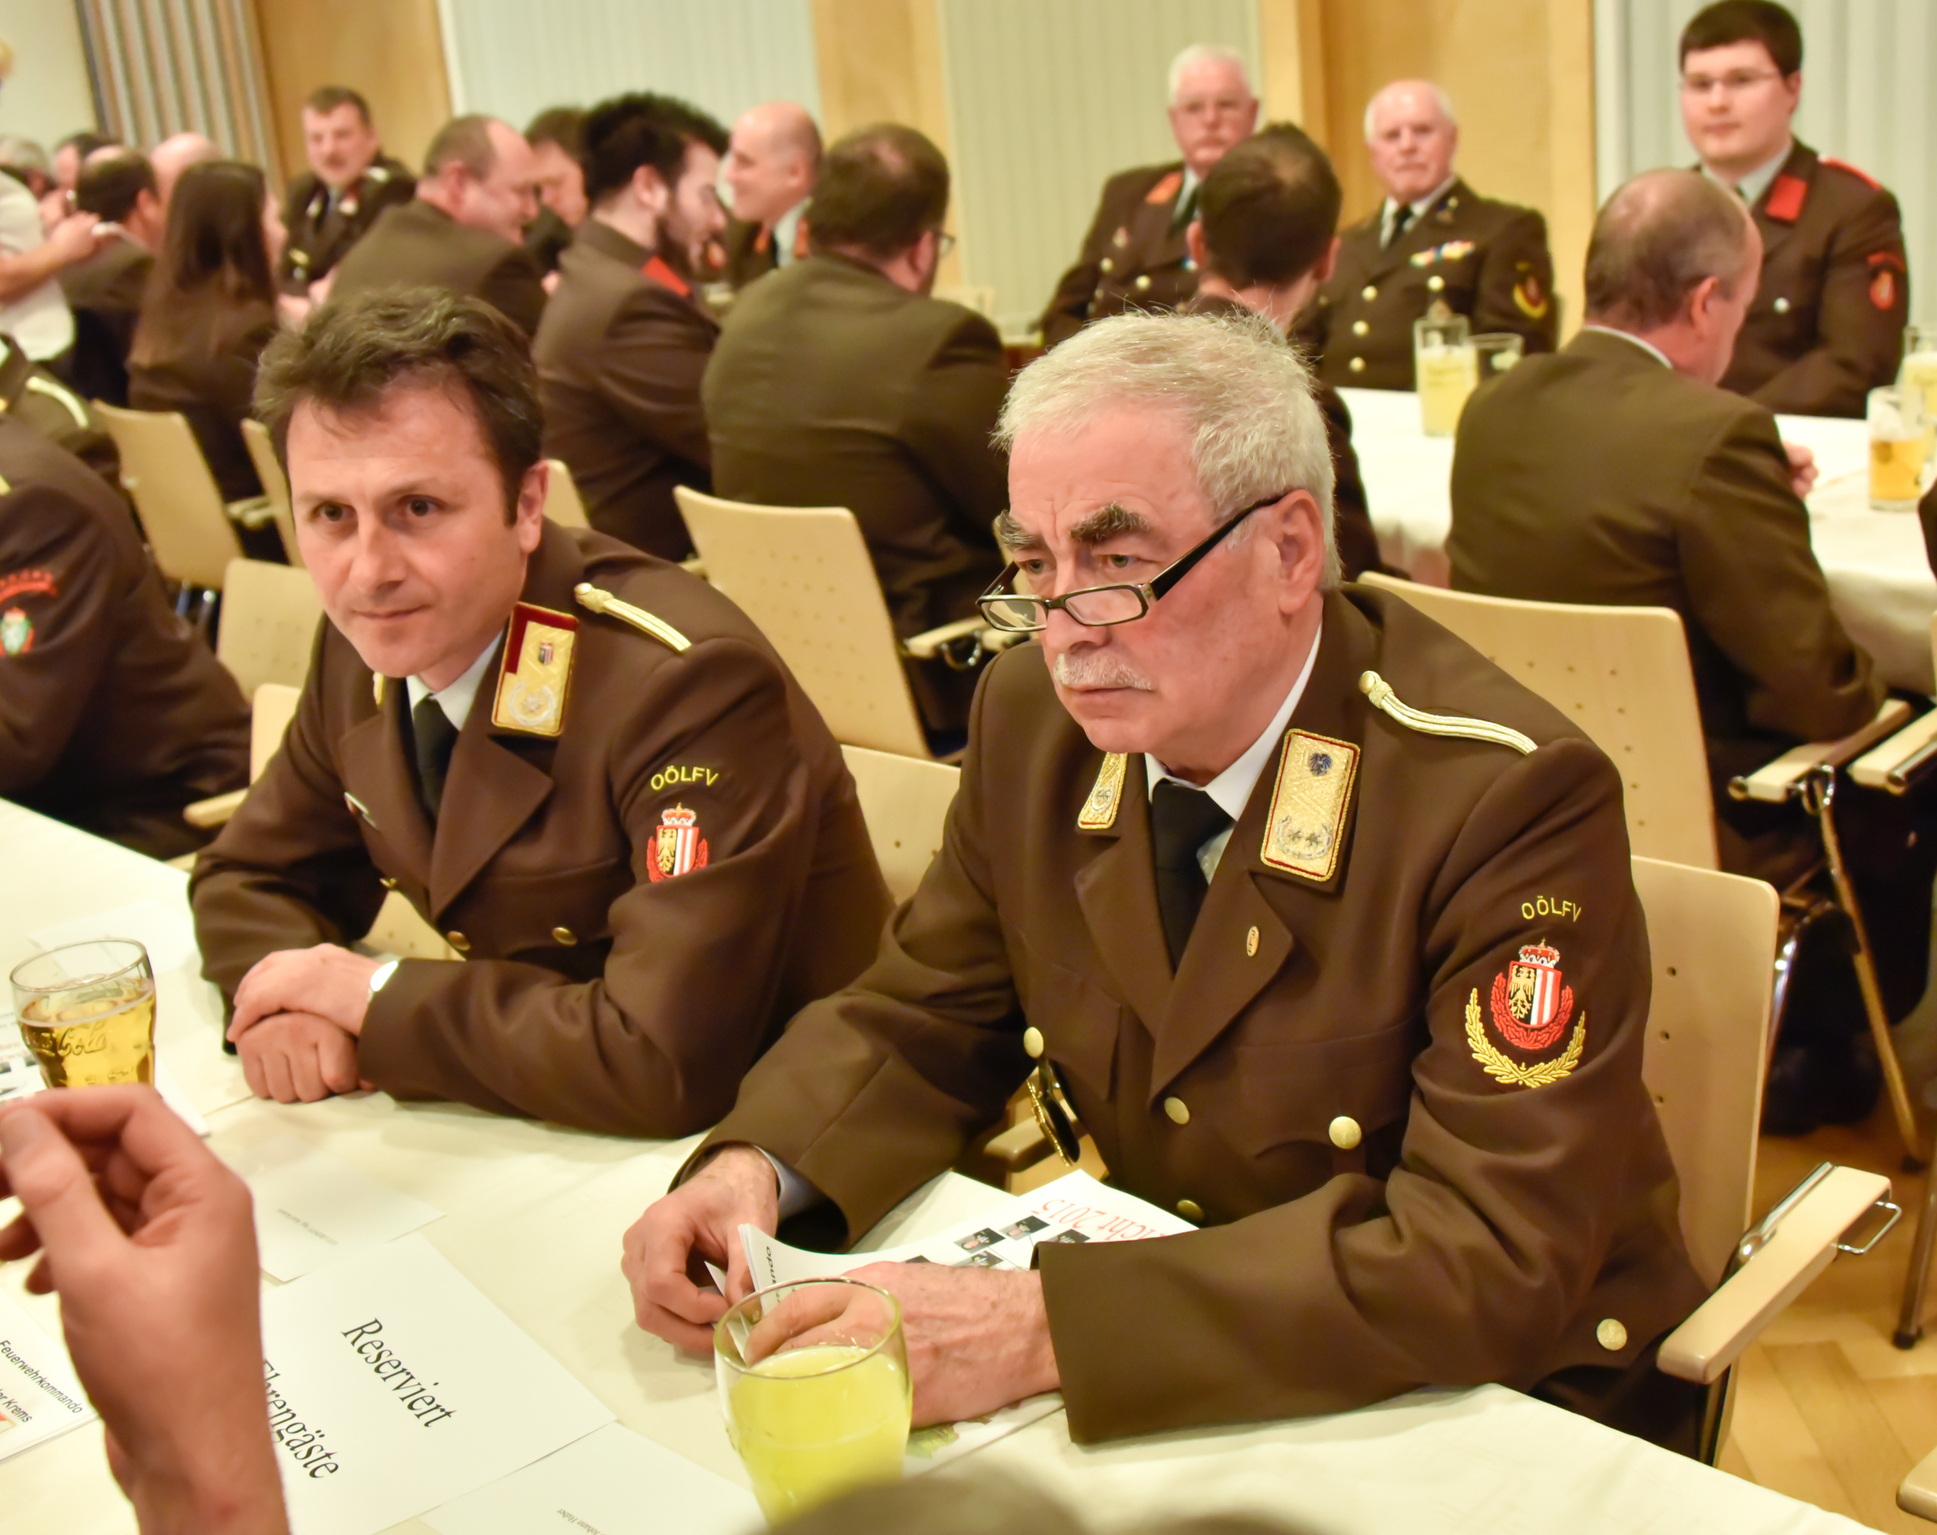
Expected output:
(1380, 693)
(603, 602)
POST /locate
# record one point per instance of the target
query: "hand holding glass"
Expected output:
(87, 1011)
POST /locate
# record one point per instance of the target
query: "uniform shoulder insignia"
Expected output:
(1529, 1008)
(1863, 176)
(1379, 692)
(53, 391)
(604, 603)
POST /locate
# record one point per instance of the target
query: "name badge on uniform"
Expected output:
(536, 673)
(1309, 805)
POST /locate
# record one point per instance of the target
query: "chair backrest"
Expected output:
(275, 486)
(563, 504)
(163, 470)
(1622, 675)
(803, 575)
(1712, 943)
(905, 802)
(273, 707)
(269, 618)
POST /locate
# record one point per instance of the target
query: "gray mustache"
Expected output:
(1098, 669)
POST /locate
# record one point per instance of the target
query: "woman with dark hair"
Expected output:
(209, 310)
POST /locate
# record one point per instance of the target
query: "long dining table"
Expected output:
(1880, 580)
(533, 1216)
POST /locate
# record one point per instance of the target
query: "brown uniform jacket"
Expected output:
(1134, 256)
(750, 252)
(831, 386)
(1827, 323)
(607, 986)
(1599, 475)
(1358, 545)
(1487, 260)
(321, 234)
(1475, 1230)
(29, 393)
(215, 390)
(415, 244)
(105, 293)
(113, 715)
(620, 353)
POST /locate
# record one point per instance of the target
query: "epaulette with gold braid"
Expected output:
(1379, 692)
(603, 602)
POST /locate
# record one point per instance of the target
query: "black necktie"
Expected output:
(436, 735)
(1182, 820)
(1186, 209)
(1400, 218)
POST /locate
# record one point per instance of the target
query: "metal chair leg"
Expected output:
(1821, 800)
(1910, 1323)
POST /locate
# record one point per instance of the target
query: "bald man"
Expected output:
(1135, 255)
(773, 159)
(1432, 239)
(177, 153)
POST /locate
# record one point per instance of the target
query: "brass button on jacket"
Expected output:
(1032, 1043)
(458, 941)
(1345, 1132)
(1178, 1111)
(565, 936)
(1190, 1209)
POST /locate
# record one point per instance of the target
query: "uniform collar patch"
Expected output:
(535, 674)
(1786, 194)
(1309, 805)
(657, 270)
(1106, 795)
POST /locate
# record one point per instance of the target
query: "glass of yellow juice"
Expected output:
(1920, 364)
(1900, 442)
(87, 1011)
(813, 1382)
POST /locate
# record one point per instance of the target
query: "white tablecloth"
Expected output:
(1880, 581)
(534, 1219)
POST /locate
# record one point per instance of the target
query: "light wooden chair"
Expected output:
(905, 803)
(803, 575)
(269, 619)
(275, 486)
(563, 504)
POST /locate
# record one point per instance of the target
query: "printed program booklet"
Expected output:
(40, 1396)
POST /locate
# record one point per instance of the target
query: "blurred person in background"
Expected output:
(772, 162)
(119, 187)
(350, 181)
(557, 140)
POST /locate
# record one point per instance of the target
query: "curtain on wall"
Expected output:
(1868, 68)
(173, 66)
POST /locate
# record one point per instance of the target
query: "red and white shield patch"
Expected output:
(1529, 1008)
(677, 846)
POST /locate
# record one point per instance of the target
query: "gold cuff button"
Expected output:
(1143, 282)
(1360, 328)
(1357, 365)
(1032, 1042)
(1178, 1111)
(1368, 293)
(1345, 1132)
(1435, 283)
(1782, 306)
(458, 941)
(565, 936)
(1106, 264)
(1190, 1209)
(1611, 1335)
(1251, 944)
(387, 882)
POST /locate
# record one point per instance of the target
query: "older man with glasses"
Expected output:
(1320, 926)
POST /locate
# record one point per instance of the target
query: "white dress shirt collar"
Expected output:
(455, 700)
(1752, 186)
(1420, 209)
(785, 230)
(1649, 347)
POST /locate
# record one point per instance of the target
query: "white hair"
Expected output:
(1445, 104)
(1244, 396)
(1208, 53)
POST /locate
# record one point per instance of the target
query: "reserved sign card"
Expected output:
(394, 1386)
(312, 1207)
(40, 1395)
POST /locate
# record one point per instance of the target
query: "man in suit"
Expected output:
(1264, 239)
(1433, 241)
(1616, 471)
(771, 164)
(583, 766)
(557, 139)
(1134, 256)
(465, 228)
(625, 339)
(1244, 864)
(118, 186)
(1833, 297)
(113, 713)
(349, 183)
(839, 381)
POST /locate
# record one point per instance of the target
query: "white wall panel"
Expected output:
(514, 58)
(1046, 99)
(49, 96)
(1868, 68)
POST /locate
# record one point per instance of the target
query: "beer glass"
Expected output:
(87, 1011)
(1445, 369)
(1920, 364)
(1900, 432)
(813, 1383)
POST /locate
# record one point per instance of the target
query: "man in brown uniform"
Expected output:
(1827, 323)
(117, 186)
(1134, 256)
(113, 715)
(581, 765)
(625, 338)
(30, 393)
(349, 182)
(771, 166)
(465, 228)
(1403, 1175)
(557, 139)
(1263, 240)
(1433, 240)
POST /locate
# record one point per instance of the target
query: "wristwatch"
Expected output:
(381, 975)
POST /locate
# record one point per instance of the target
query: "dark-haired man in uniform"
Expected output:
(1432, 241)
(1827, 323)
(625, 339)
(582, 765)
(557, 139)
(1134, 256)
(349, 182)
(118, 186)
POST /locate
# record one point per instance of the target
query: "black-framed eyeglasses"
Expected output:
(1098, 607)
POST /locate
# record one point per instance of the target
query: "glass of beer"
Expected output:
(1445, 369)
(813, 1382)
(1920, 364)
(1900, 442)
(87, 1011)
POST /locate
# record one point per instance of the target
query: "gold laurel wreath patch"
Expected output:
(1510, 1072)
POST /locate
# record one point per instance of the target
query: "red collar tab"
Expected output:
(763, 241)
(1166, 189)
(1785, 199)
(657, 271)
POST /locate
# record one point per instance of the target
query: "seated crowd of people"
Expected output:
(1239, 844)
